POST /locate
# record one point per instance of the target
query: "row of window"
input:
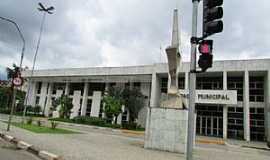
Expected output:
(209, 122)
(80, 87)
(256, 86)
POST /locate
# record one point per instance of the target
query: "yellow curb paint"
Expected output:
(206, 141)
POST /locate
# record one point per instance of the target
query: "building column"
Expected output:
(96, 100)
(225, 108)
(246, 107)
(186, 80)
(67, 88)
(76, 104)
(267, 108)
(32, 94)
(155, 90)
(43, 94)
(49, 100)
(85, 98)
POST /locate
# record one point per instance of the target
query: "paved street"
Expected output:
(9, 152)
(94, 144)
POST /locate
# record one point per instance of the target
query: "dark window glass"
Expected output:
(96, 87)
(39, 87)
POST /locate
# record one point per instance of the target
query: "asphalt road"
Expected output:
(93, 144)
(9, 152)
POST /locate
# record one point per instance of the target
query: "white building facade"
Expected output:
(247, 119)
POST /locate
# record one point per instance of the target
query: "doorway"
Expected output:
(209, 121)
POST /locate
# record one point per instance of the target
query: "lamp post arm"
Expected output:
(21, 36)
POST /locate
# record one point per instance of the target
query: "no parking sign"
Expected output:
(17, 81)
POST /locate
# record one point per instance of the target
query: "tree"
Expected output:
(113, 107)
(134, 101)
(4, 95)
(65, 106)
(113, 102)
(11, 73)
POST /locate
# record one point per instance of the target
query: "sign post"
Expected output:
(16, 82)
(192, 81)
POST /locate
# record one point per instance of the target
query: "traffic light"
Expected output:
(212, 13)
(206, 57)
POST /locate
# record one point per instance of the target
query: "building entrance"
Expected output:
(209, 120)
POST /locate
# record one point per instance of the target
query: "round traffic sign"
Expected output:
(17, 81)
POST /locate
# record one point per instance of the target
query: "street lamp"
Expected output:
(21, 35)
(21, 60)
(44, 10)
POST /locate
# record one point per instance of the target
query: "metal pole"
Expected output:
(192, 82)
(21, 35)
(12, 109)
(21, 60)
(33, 67)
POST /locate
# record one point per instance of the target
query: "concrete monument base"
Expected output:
(166, 129)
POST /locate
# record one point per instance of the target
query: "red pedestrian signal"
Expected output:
(205, 46)
(206, 57)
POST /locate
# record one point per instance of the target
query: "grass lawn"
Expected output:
(43, 129)
(94, 122)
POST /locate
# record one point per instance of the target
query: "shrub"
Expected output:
(96, 121)
(112, 125)
(62, 120)
(80, 119)
(37, 110)
(132, 126)
(54, 124)
(89, 120)
(39, 123)
(29, 108)
(29, 120)
(5, 110)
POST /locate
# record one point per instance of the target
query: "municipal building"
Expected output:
(232, 97)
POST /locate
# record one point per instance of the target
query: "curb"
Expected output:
(119, 130)
(210, 141)
(30, 148)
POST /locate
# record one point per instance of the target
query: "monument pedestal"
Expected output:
(166, 129)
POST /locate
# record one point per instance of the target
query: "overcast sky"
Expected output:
(87, 33)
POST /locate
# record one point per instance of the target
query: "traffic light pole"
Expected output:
(192, 81)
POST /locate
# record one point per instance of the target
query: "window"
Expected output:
(88, 107)
(235, 123)
(137, 85)
(164, 85)
(37, 100)
(181, 82)
(101, 109)
(213, 83)
(127, 85)
(257, 124)
(96, 87)
(39, 87)
(58, 86)
(125, 117)
(80, 109)
(236, 83)
(76, 87)
(256, 89)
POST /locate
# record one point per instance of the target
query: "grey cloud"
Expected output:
(77, 34)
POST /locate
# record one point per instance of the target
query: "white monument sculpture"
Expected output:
(173, 99)
(166, 126)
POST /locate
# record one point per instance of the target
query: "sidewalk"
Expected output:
(93, 144)
(98, 143)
